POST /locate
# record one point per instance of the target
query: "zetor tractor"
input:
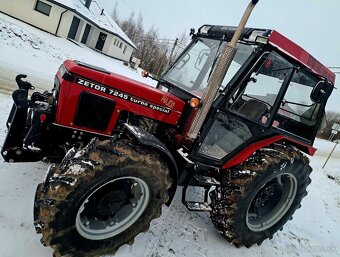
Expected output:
(231, 115)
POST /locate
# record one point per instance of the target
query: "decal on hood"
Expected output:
(122, 95)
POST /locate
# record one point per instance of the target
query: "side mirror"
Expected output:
(321, 91)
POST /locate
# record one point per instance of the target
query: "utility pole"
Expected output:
(172, 51)
(330, 154)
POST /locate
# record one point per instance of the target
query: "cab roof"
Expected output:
(276, 40)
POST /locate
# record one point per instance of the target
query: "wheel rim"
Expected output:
(271, 202)
(112, 208)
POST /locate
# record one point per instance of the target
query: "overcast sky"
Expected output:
(313, 24)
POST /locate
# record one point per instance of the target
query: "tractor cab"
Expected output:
(273, 90)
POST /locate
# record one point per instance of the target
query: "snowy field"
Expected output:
(314, 231)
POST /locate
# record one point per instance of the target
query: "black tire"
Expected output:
(65, 190)
(244, 191)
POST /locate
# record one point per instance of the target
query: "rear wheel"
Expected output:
(100, 198)
(258, 197)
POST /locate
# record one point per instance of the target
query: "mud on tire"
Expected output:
(87, 181)
(258, 197)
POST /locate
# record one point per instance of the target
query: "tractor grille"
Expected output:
(93, 112)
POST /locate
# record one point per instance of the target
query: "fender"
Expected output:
(147, 139)
(249, 150)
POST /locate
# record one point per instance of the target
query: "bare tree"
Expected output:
(115, 14)
(153, 51)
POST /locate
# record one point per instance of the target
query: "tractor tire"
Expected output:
(100, 198)
(256, 198)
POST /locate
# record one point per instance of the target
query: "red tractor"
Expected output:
(122, 147)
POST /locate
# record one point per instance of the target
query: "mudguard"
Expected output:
(145, 138)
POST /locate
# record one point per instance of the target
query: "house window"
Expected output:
(86, 33)
(124, 49)
(43, 8)
(120, 45)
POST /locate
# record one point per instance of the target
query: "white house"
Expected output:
(83, 21)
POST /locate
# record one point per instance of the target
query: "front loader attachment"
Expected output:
(13, 149)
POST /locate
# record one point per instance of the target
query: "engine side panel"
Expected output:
(127, 94)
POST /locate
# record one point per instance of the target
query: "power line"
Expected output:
(159, 39)
(126, 4)
(334, 67)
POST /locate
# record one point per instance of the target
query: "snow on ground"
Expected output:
(314, 231)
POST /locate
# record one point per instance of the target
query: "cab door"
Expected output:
(248, 112)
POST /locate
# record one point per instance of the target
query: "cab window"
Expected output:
(256, 98)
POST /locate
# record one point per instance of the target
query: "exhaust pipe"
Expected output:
(218, 74)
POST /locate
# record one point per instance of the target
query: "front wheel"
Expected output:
(259, 196)
(100, 198)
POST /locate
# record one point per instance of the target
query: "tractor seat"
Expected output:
(253, 109)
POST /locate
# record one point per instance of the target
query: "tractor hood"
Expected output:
(129, 95)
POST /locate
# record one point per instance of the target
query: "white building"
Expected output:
(83, 21)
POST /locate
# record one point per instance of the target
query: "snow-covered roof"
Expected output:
(93, 15)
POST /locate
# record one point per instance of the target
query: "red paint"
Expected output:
(43, 117)
(70, 92)
(289, 47)
(249, 150)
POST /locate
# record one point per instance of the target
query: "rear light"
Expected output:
(195, 102)
(43, 117)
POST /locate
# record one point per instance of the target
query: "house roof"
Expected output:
(93, 15)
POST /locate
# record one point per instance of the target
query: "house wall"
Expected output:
(93, 37)
(65, 24)
(114, 50)
(24, 10)
(109, 47)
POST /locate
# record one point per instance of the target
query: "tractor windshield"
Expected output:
(192, 69)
